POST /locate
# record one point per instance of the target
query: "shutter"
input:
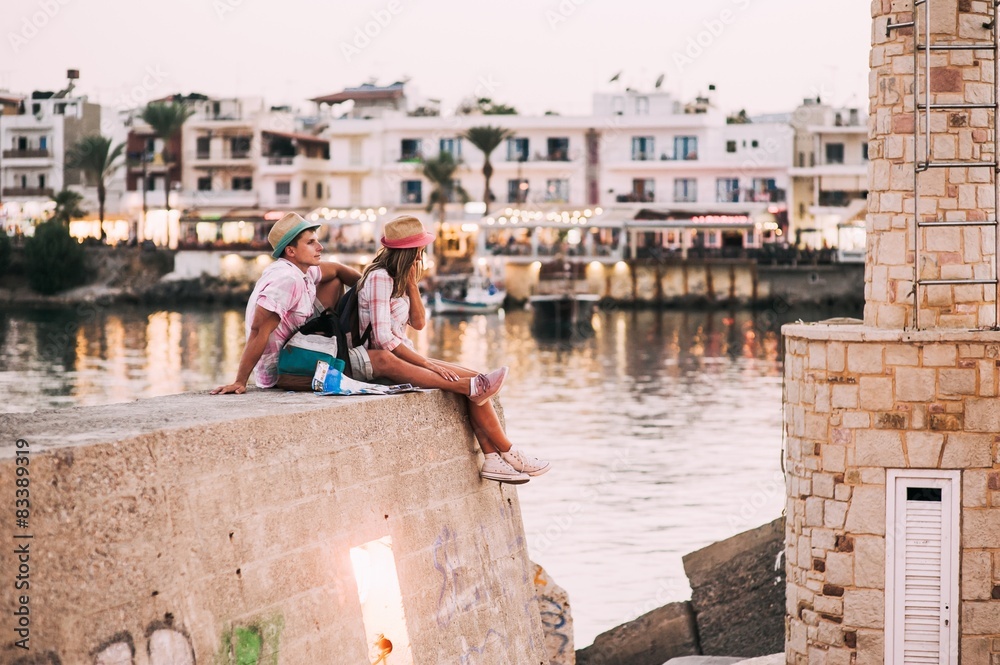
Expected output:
(921, 567)
(922, 600)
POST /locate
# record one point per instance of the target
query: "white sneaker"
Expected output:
(495, 468)
(525, 463)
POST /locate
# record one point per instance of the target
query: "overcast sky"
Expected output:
(538, 55)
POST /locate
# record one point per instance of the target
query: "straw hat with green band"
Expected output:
(285, 230)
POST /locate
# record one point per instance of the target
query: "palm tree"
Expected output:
(441, 173)
(166, 121)
(97, 158)
(487, 139)
(67, 207)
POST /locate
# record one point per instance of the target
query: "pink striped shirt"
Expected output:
(289, 293)
(389, 316)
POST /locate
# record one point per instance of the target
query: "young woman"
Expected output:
(389, 300)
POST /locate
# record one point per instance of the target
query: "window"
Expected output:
(409, 150)
(43, 144)
(453, 196)
(305, 189)
(203, 147)
(239, 147)
(834, 153)
(643, 148)
(558, 149)
(205, 184)
(517, 191)
(921, 566)
(730, 146)
(453, 147)
(517, 150)
(764, 189)
(410, 191)
(41, 181)
(864, 151)
(685, 190)
(557, 190)
(685, 147)
(319, 190)
(755, 143)
(283, 191)
(151, 183)
(243, 183)
(727, 190)
(642, 105)
(643, 190)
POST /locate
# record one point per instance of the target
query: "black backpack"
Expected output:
(340, 321)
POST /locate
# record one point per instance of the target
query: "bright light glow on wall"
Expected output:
(381, 603)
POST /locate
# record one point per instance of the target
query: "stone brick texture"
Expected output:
(946, 194)
(205, 520)
(858, 401)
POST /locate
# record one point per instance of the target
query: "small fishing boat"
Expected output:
(473, 295)
(561, 305)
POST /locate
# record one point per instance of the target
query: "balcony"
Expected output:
(28, 191)
(37, 153)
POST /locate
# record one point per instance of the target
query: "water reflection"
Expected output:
(664, 427)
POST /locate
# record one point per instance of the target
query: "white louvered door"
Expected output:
(921, 571)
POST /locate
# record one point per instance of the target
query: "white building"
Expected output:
(35, 133)
(829, 176)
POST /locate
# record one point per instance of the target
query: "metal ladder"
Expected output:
(923, 163)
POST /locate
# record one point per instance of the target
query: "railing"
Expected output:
(25, 154)
(27, 191)
(280, 160)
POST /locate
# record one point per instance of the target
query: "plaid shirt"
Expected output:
(289, 293)
(389, 316)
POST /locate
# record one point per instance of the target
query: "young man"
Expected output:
(299, 286)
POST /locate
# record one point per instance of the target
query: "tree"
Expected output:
(487, 139)
(484, 106)
(98, 160)
(67, 207)
(440, 171)
(53, 258)
(166, 121)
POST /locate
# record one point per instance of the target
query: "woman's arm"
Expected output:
(418, 316)
(403, 352)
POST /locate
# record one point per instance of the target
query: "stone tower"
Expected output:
(892, 426)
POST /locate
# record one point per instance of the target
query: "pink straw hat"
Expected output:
(406, 232)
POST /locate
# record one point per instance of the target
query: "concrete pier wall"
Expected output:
(676, 282)
(208, 529)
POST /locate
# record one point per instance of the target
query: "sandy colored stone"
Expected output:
(864, 358)
(915, 385)
(869, 562)
(867, 512)
(840, 568)
(923, 449)
(980, 618)
(864, 608)
(879, 448)
(977, 575)
(980, 528)
(982, 415)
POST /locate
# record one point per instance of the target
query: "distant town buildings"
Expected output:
(357, 157)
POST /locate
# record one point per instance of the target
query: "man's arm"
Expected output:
(331, 270)
(264, 323)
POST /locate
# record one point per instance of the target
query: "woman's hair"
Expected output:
(396, 262)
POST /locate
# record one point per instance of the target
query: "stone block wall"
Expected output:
(946, 194)
(209, 529)
(859, 401)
